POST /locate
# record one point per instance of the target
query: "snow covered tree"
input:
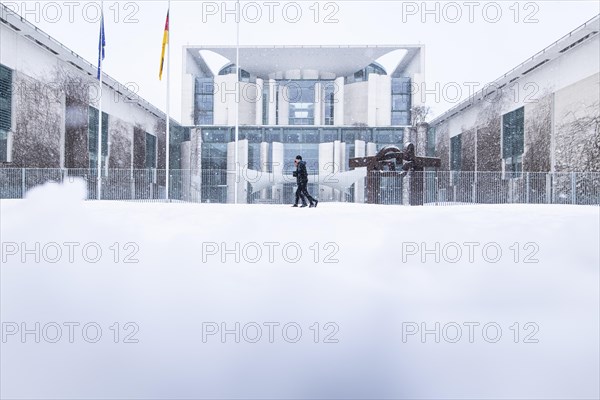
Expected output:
(36, 142)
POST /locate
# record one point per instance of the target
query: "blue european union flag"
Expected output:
(101, 44)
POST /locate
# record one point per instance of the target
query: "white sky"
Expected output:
(478, 51)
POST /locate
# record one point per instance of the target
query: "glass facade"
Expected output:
(214, 164)
(430, 146)
(295, 141)
(513, 141)
(455, 158)
(301, 97)
(329, 92)
(230, 70)
(401, 101)
(177, 135)
(93, 137)
(204, 101)
(363, 74)
(455, 153)
(150, 151)
(5, 110)
(385, 137)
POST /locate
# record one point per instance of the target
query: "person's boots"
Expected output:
(295, 205)
(314, 204)
(303, 205)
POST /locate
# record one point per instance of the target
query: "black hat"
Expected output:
(299, 157)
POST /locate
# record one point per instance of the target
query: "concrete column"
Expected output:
(224, 100)
(359, 187)
(384, 100)
(284, 106)
(326, 169)
(318, 104)
(371, 149)
(195, 164)
(277, 169)
(231, 171)
(248, 98)
(264, 159)
(259, 102)
(272, 101)
(372, 101)
(338, 166)
(186, 149)
(185, 165)
(338, 108)
(421, 140)
(410, 135)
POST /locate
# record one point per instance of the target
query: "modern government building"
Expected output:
(327, 103)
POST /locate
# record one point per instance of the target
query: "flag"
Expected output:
(101, 44)
(164, 44)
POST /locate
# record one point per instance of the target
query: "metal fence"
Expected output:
(215, 186)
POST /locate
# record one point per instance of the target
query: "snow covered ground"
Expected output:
(341, 301)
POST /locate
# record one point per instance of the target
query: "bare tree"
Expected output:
(489, 118)
(76, 91)
(38, 124)
(418, 115)
(120, 145)
(578, 141)
(538, 131)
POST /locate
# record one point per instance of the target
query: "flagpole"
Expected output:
(168, 129)
(237, 100)
(100, 51)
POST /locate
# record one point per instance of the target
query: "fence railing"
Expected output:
(215, 186)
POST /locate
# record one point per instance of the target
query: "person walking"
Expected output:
(301, 175)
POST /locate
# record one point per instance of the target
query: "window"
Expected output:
(272, 135)
(244, 76)
(252, 135)
(5, 110)
(217, 135)
(3, 145)
(359, 76)
(204, 101)
(455, 153)
(455, 159)
(309, 153)
(513, 142)
(329, 135)
(401, 101)
(430, 146)
(389, 137)
(329, 89)
(301, 95)
(265, 105)
(214, 171)
(93, 137)
(150, 151)
(363, 74)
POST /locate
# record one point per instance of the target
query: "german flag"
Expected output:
(164, 45)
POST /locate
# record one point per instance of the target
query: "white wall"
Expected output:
(577, 64)
(356, 102)
(26, 57)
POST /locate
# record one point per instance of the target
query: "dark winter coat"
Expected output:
(301, 173)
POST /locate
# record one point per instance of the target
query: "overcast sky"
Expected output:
(485, 40)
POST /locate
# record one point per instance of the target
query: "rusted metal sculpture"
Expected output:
(384, 164)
